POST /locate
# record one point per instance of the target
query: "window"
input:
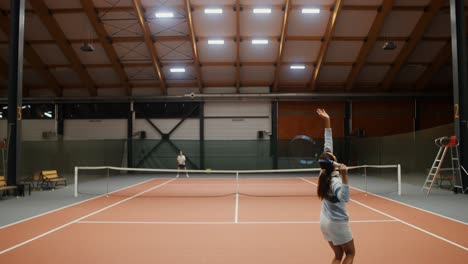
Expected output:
(96, 110)
(31, 111)
(166, 110)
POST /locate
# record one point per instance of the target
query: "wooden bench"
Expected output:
(50, 179)
(4, 188)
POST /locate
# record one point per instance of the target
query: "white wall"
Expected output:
(236, 120)
(189, 129)
(31, 129)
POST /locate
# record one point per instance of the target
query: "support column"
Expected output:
(130, 120)
(59, 119)
(15, 89)
(274, 134)
(460, 80)
(202, 134)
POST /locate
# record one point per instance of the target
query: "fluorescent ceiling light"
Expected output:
(164, 14)
(259, 41)
(213, 11)
(262, 10)
(48, 114)
(216, 41)
(310, 11)
(297, 67)
(177, 69)
(5, 107)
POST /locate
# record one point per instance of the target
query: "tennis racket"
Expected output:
(303, 152)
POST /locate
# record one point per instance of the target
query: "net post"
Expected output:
(76, 181)
(399, 179)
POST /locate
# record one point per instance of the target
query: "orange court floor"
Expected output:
(227, 229)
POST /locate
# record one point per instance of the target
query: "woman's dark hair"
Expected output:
(327, 167)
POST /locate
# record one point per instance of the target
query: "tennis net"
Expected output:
(144, 182)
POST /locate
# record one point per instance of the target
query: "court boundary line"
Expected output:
(412, 206)
(402, 203)
(80, 218)
(403, 222)
(224, 223)
(70, 205)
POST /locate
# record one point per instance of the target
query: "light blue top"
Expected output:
(334, 208)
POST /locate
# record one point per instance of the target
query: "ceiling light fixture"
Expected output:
(259, 41)
(87, 47)
(310, 11)
(213, 11)
(164, 14)
(389, 45)
(262, 10)
(216, 41)
(297, 67)
(177, 70)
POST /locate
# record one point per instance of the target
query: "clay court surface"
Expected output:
(131, 226)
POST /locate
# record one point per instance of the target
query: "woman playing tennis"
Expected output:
(333, 190)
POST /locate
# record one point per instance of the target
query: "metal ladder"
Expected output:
(445, 143)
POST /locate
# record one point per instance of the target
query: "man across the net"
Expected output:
(181, 164)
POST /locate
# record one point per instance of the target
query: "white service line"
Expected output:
(403, 222)
(83, 217)
(223, 223)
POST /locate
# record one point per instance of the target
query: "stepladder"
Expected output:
(445, 174)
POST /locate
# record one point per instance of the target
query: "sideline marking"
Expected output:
(83, 217)
(70, 205)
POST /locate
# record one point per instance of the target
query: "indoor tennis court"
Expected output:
(138, 223)
(233, 131)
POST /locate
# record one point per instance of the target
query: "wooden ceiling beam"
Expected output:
(368, 45)
(226, 64)
(246, 7)
(61, 40)
(416, 36)
(274, 38)
(442, 58)
(101, 32)
(279, 58)
(193, 41)
(138, 8)
(325, 44)
(32, 57)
